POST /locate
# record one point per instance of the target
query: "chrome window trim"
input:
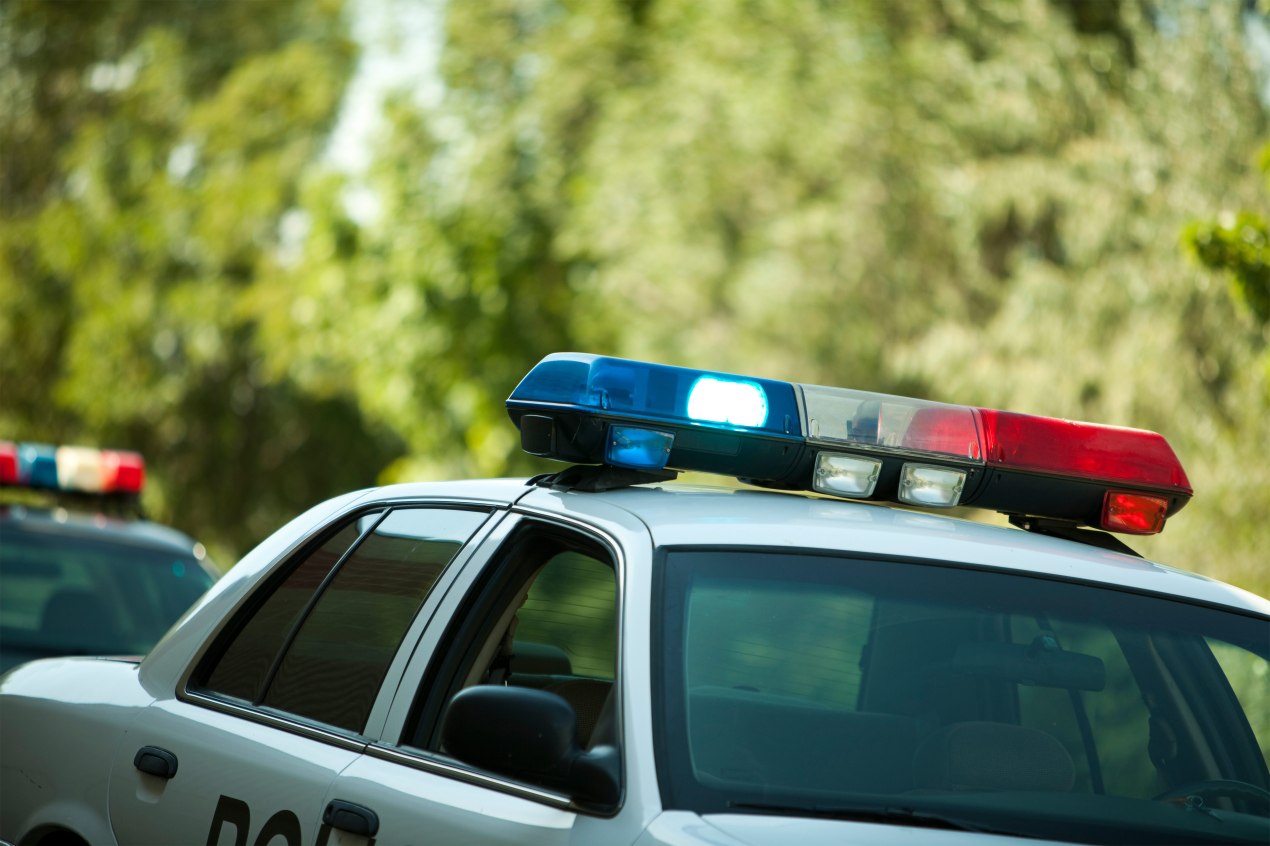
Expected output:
(271, 720)
(425, 761)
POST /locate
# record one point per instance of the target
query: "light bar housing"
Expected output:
(71, 469)
(590, 409)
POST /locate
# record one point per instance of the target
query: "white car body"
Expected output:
(71, 729)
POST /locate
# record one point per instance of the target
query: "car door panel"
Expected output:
(236, 780)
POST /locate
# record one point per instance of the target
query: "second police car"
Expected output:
(600, 656)
(80, 571)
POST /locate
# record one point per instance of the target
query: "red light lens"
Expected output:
(123, 472)
(1134, 457)
(8, 463)
(1133, 513)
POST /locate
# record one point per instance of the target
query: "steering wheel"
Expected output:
(1227, 787)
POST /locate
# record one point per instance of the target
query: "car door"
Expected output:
(541, 606)
(280, 702)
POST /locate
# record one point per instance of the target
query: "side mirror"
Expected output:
(529, 735)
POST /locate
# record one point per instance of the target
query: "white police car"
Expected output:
(601, 657)
(80, 573)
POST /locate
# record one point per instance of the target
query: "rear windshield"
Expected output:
(861, 689)
(62, 595)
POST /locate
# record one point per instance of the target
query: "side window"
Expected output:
(570, 612)
(545, 617)
(319, 645)
(245, 663)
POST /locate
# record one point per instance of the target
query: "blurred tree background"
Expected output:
(1051, 206)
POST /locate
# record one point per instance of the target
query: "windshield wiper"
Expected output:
(894, 815)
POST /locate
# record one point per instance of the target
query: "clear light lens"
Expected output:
(841, 415)
(939, 487)
(640, 449)
(846, 475)
(736, 403)
(80, 469)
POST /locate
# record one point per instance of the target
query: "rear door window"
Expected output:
(318, 646)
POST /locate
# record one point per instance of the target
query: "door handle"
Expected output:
(351, 817)
(155, 761)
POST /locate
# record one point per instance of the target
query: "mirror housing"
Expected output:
(1041, 663)
(532, 736)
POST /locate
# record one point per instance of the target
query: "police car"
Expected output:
(602, 656)
(80, 573)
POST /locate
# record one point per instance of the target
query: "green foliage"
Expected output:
(1238, 243)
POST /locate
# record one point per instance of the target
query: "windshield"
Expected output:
(62, 595)
(874, 690)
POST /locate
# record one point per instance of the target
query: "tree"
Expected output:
(1238, 243)
(154, 153)
(620, 178)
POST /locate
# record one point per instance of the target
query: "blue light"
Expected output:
(37, 465)
(589, 409)
(636, 390)
(640, 449)
(738, 403)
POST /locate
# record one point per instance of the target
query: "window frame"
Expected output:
(470, 590)
(190, 687)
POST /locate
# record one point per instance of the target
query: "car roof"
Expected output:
(682, 514)
(99, 528)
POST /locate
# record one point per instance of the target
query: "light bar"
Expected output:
(596, 410)
(71, 469)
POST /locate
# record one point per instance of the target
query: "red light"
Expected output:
(1133, 457)
(1133, 513)
(123, 472)
(950, 430)
(8, 463)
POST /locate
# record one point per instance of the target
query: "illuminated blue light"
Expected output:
(738, 403)
(634, 390)
(640, 449)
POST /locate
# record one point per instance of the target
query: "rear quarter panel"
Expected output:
(60, 722)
